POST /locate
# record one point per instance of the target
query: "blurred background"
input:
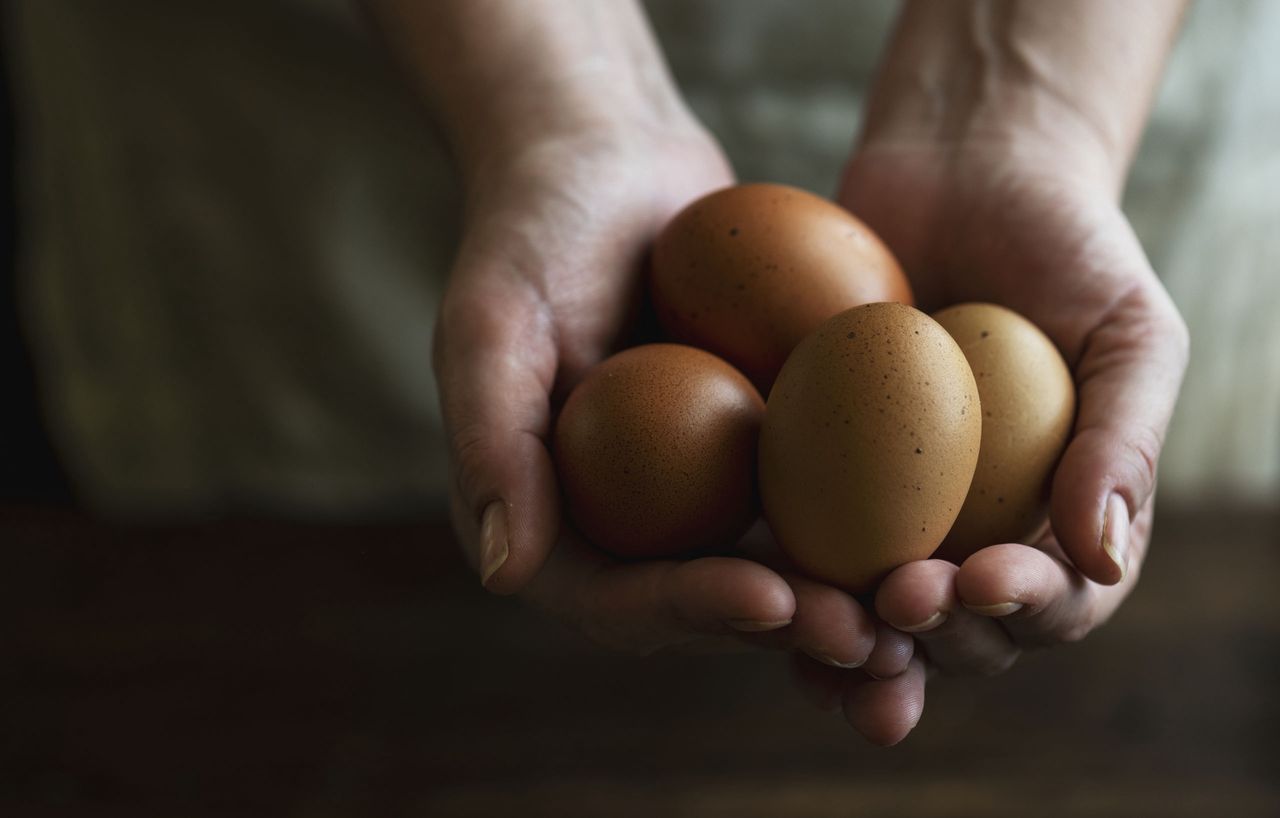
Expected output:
(228, 582)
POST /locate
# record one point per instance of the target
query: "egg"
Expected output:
(1028, 405)
(869, 442)
(656, 452)
(748, 271)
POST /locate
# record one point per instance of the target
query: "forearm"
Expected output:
(500, 73)
(1075, 76)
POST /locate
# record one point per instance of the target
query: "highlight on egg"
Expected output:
(656, 452)
(748, 271)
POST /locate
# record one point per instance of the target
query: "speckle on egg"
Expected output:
(1027, 402)
(645, 476)
(874, 460)
(794, 248)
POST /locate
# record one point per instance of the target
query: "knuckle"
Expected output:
(466, 318)
(999, 664)
(1075, 632)
(1143, 450)
(473, 451)
(1078, 627)
(611, 635)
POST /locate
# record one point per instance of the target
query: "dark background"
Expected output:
(273, 669)
(28, 468)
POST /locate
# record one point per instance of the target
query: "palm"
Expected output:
(545, 284)
(1046, 246)
(1055, 248)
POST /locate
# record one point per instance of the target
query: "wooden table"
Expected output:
(274, 669)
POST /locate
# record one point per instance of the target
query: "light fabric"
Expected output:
(238, 223)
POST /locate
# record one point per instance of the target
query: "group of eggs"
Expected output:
(888, 436)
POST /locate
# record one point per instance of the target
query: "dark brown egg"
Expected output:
(869, 444)
(656, 452)
(748, 271)
(1028, 404)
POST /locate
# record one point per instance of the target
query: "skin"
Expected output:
(996, 147)
(992, 178)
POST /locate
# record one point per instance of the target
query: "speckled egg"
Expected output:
(656, 452)
(1028, 405)
(869, 443)
(748, 271)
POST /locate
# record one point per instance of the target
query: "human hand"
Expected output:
(1036, 228)
(575, 149)
(545, 283)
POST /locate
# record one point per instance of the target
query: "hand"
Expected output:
(545, 282)
(1037, 230)
(575, 149)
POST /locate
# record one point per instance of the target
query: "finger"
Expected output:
(1038, 598)
(1041, 600)
(1128, 378)
(820, 684)
(920, 598)
(891, 654)
(495, 366)
(828, 625)
(885, 711)
(645, 607)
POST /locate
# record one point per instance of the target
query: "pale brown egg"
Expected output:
(1028, 405)
(656, 452)
(748, 271)
(869, 442)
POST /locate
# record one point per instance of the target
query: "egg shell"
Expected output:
(1028, 406)
(869, 442)
(748, 271)
(656, 452)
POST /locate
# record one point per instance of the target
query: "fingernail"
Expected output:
(929, 624)
(999, 609)
(827, 660)
(493, 540)
(756, 625)
(1115, 533)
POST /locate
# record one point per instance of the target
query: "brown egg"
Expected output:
(1028, 403)
(656, 450)
(869, 443)
(749, 271)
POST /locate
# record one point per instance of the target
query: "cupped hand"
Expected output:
(546, 283)
(1038, 230)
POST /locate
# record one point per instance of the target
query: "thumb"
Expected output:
(1128, 378)
(495, 363)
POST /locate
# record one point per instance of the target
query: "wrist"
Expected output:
(1007, 149)
(1068, 83)
(1022, 128)
(502, 75)
(587, 114)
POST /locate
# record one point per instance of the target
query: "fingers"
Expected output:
(920, 598)
(495, 364)
(820, 684)
(648, 606)
(1128, 378)
(828, 624)
(1039, 599)
(885, 711)
(892, 653)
